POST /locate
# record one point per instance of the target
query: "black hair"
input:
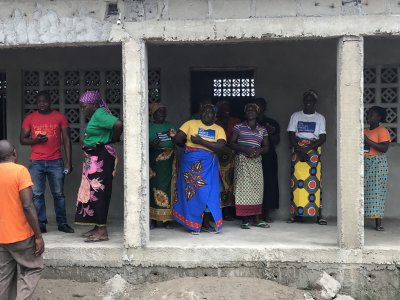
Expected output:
(262, 101)
(311, 93)
(43, 94)
(212, 106)
(380, 111)
(251, 104)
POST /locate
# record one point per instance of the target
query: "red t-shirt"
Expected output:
(51, 125)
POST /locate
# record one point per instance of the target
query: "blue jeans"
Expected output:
(53, 169)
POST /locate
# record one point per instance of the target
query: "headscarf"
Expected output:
(93, 97)
(154, 107)
(311, 93)
(251, 104)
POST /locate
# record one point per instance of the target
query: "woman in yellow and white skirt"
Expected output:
(307, 133)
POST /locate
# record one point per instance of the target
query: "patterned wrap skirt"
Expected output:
(375, 185)
(305, 183)
(162, 183)
(94, 194)
(197, 189)
(248, 186)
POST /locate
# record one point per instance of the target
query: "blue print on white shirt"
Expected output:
(206, 133)
(306, 126)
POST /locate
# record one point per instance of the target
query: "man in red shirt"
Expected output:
(21, 241)
(43, 130)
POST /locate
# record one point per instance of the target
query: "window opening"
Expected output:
(65, 87)
(381, 87)
(236, 87)
(154, 85)
(112, 9)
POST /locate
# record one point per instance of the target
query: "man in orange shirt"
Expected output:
(21, 241)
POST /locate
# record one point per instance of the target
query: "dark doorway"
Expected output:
(237, 87)
(3, 103)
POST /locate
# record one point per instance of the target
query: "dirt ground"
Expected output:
(184, 288)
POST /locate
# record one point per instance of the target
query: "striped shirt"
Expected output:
(248, 137)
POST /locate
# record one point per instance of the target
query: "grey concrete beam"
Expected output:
(136, 168)
(263, 28)
(350, 169)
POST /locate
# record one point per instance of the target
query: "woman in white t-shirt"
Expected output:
(306, 134)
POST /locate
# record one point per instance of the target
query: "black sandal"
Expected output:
(380, 228)
(245, 226)
(291, 220)
(322, 221)
(153, 224)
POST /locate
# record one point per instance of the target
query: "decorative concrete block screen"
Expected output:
(234, 87)
(381, 87)
(65, 87)
(3, 101)
(154, 85)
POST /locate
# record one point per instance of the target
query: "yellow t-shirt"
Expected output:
(211, 133)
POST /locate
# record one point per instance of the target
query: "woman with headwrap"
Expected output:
(376, 143)
(307, 134)
(250, 141)
(102, 130)
(162, 167)
(226, 160)
(198, 176)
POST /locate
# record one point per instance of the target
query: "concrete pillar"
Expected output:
(136, 217)
(350, 170)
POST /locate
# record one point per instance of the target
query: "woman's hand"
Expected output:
(248, 151)
(256, 152)
(196, 139)
(154, 143)
(171, 132)
(302, 152)
(367, 140)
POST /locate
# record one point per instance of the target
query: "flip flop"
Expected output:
(291, 220)
(261, 224)
(269, 220)
(209, 230)
(195, 233)
(245, 226)
(168, 226)
(95, 239)
(322, 221)
(380, 228)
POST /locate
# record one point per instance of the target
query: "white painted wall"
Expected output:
(283, 70)
(13, 61)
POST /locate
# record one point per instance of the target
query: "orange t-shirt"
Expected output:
(14, 226)
(377, 135)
